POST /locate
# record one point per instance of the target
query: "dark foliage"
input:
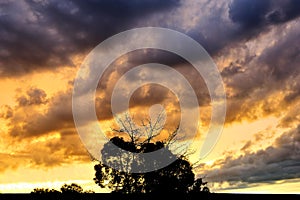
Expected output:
(176, 177)
(65, 189)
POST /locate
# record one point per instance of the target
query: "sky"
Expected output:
(255, 45)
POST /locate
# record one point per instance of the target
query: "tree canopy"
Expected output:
(176, 177)
(72, 188)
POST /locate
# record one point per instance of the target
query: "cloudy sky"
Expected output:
(255, 44)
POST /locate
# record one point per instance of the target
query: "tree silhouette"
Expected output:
(176, 177)
(44, 191)
(199, 186)
(72, 188)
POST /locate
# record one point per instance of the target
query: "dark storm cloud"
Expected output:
(68, 148)
(280, 161)
(28, 121)
(224, 24)
(248, 13)
(152, 93)
(254, 85)
(234, 23)
(214, 31)
(140, 57)
(49, 153)
(46, 34)
(34, 96)
(231, 70)
(40, 35)
(254, 16)
(283, 59)
(35, 116)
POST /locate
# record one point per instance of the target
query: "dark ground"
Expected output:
(212, 196)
